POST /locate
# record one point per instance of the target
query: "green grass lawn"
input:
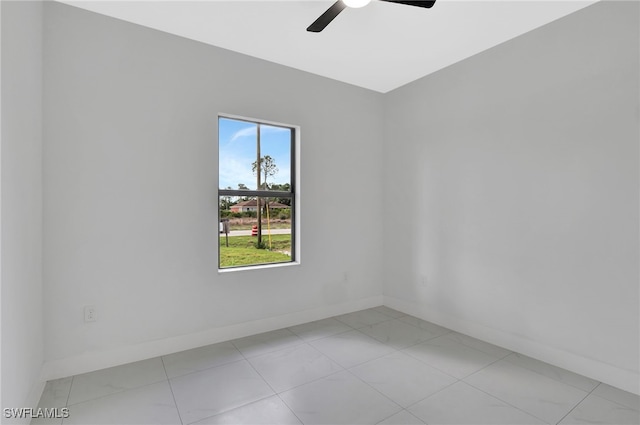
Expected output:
(241, 250)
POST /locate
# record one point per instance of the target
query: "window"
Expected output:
(256, 192)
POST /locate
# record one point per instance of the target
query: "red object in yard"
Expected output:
(254, 231)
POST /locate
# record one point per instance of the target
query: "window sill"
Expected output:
(258, 267)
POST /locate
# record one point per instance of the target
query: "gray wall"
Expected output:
(130, 170)
(21, 200)
(513, 177)
(515, 173)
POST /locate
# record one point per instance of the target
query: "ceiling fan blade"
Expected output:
(418, 3)
(327, 17)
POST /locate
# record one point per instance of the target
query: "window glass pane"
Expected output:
(255, 230)
(275, 149)
(237, 144)
(238, 246)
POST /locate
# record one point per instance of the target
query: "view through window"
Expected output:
(256, 196)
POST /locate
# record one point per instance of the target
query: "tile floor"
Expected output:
(376, 366)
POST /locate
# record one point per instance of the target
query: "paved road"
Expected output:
(264, 232)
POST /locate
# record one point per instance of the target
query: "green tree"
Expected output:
(226, 201)
(286, 187)
(242, 186)
(267, 167)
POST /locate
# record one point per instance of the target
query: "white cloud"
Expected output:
(251, 131)
(235, 161)
(235, 170)
(245, 132)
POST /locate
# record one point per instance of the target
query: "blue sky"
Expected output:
(237, 151)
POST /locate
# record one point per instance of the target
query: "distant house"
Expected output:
(252, 205)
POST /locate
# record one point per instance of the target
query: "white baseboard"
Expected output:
(92, 361)
(627, 380)
(34, 395)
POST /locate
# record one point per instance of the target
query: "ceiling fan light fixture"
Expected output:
(356, 3)
(337, 7)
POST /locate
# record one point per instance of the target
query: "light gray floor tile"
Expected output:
(532, 392)
(56, 393)
(320, 329)
(351, 348)
(450, 356)
(552, 372)
(402, 378)
(305, 365)
(269, 411)
(362, 318)
(432, 328)
(389, 311)
(462, 404)
(112, 380)
(619, 396)
(267, 342)
(201, 358)
(485, 347)
(597, 410)
(54, 417)
(402, 418)
(290, 367)
(216, 390)
(152, 404)
(339, 399)
(396, 334)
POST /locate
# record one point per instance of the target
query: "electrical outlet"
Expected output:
(90, 314)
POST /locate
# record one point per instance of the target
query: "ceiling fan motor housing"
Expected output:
(328, 16)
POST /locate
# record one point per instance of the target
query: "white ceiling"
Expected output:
(380, 47)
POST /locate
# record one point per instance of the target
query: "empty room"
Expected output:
(320, 212)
